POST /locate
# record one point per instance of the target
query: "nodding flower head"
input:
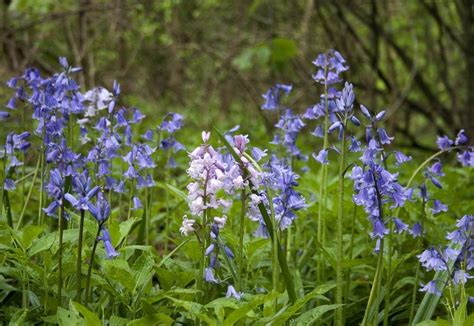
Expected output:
(101, 210)
(273, 95)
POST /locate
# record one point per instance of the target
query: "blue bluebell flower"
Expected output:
(431, 259)
(431, 287)
(444, 142)
(273, 95)
(416, 231)
(109, 248)
(330, 65)
(438, 207)
(101, 210)
(322, 156)
(231, 292)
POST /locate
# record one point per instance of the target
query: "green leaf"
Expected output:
(143, 271)
(67, 318)
(460, 314)
(28, 234)
(220, 304)
(311, 316)
(175, 191)
(89, 317)
(119, 271)
(293, 310)
(195, 309)
(242, 312)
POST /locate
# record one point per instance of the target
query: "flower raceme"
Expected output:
(461, 259)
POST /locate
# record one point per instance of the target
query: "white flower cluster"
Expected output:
(214, 175)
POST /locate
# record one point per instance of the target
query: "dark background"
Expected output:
(212, 60)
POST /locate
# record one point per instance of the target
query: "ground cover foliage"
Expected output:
(109, 216)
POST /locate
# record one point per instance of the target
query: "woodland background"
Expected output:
(213, 59)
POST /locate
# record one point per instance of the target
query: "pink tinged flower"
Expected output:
(240, 142)
(187, 226)
(220, 221)
(205, 136)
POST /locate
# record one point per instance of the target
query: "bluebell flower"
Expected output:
(431, 287)
(231, 292)
(209, 275)
(416, 231)
(322, 156)
(400, 226)
(4, 115)
(109, 248)
(401, 158)
(101, 210)
(431, 259)
(438, 207)
(82, 185)
(379, 229)
(444, 142)
(354, 146)
(273, 95)
(460, 277)
(318, 132)
(461, 138)
(466, 158)
(384, 138)
(9, 184)
(290, 126)
(330, 65)
(172, 122)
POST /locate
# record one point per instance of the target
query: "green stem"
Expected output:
(8, 209)
(373, 297)
(79, 258)
(323, 185)
(373, 302)
(60, 253)
(204, 243)
(351, 250)
(91, 263)
(339, 313)
(241, 239)
(40, 205)
(167, 197)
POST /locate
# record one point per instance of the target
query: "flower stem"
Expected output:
(373, 302)
(204, 243)
(91, 262)
(60, 252)
(339, 313)
(79, 258)
(40, 205)
(374, 292)
(323, 184)
(241, 239)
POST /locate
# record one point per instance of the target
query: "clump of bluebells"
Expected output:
(456, 258)
(374, 185)
(91, 157)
